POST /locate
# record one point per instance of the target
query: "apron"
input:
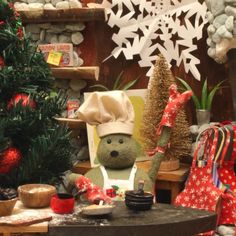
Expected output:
(227, 176)
(200, 191)
(115, 188)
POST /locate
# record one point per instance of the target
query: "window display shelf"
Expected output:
(84, 72)
(72, 123)
(63, 15)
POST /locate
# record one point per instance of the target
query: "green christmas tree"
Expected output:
(33, 147)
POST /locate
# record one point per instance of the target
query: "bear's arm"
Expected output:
(142, 175)
(95, 175)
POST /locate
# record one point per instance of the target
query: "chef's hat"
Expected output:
(111, 111)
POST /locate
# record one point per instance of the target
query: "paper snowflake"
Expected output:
(149, 27)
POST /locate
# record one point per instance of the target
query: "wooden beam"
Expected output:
(63, 15)
(85, 72)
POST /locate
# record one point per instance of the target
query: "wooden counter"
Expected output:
(33, 228)
(161, 220)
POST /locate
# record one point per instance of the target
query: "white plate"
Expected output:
(97, 209)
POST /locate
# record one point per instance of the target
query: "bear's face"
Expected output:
(117, 151)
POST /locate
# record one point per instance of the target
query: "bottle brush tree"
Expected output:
(156, 100)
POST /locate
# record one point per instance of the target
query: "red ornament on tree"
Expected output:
(9, 159)
(21, 97)
(2, 63)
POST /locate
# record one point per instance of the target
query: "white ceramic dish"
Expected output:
(98, 209)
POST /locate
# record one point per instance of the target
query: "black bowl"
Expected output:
(138, 200)
(135, 199)
(137, 194)
(138, 206)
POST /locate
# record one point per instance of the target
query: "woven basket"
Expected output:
(7, 206)
(36, 195)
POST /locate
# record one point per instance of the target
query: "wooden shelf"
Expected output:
(84, 72)
(64, 15)
(72, 123)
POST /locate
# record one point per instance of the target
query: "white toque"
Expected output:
(111, 111)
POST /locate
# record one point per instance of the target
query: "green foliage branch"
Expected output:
(205, 101)
(118, 84)
(44, 145)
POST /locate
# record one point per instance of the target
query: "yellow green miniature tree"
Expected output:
(156, 100)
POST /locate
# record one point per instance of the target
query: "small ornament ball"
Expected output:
(23, 98)
(9, 159)
(2, 64)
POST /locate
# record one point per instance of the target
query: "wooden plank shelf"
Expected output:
(72, 123)
(63, 15)
(84, 72)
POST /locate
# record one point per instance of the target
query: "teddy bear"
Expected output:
(113, 114)
(117, 154)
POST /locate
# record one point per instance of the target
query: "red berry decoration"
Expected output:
(20, 33)
(9, 159)
(2, 64)
(23, 98)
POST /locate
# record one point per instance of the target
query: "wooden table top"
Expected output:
(19, 209)
(175, 176)
(162, 219)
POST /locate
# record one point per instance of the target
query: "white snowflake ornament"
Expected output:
(149, 27)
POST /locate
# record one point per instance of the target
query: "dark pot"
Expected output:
(138, 201)
(138, 206)
(141, 200)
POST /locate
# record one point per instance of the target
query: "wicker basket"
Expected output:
(7, 206)
(36, 195)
